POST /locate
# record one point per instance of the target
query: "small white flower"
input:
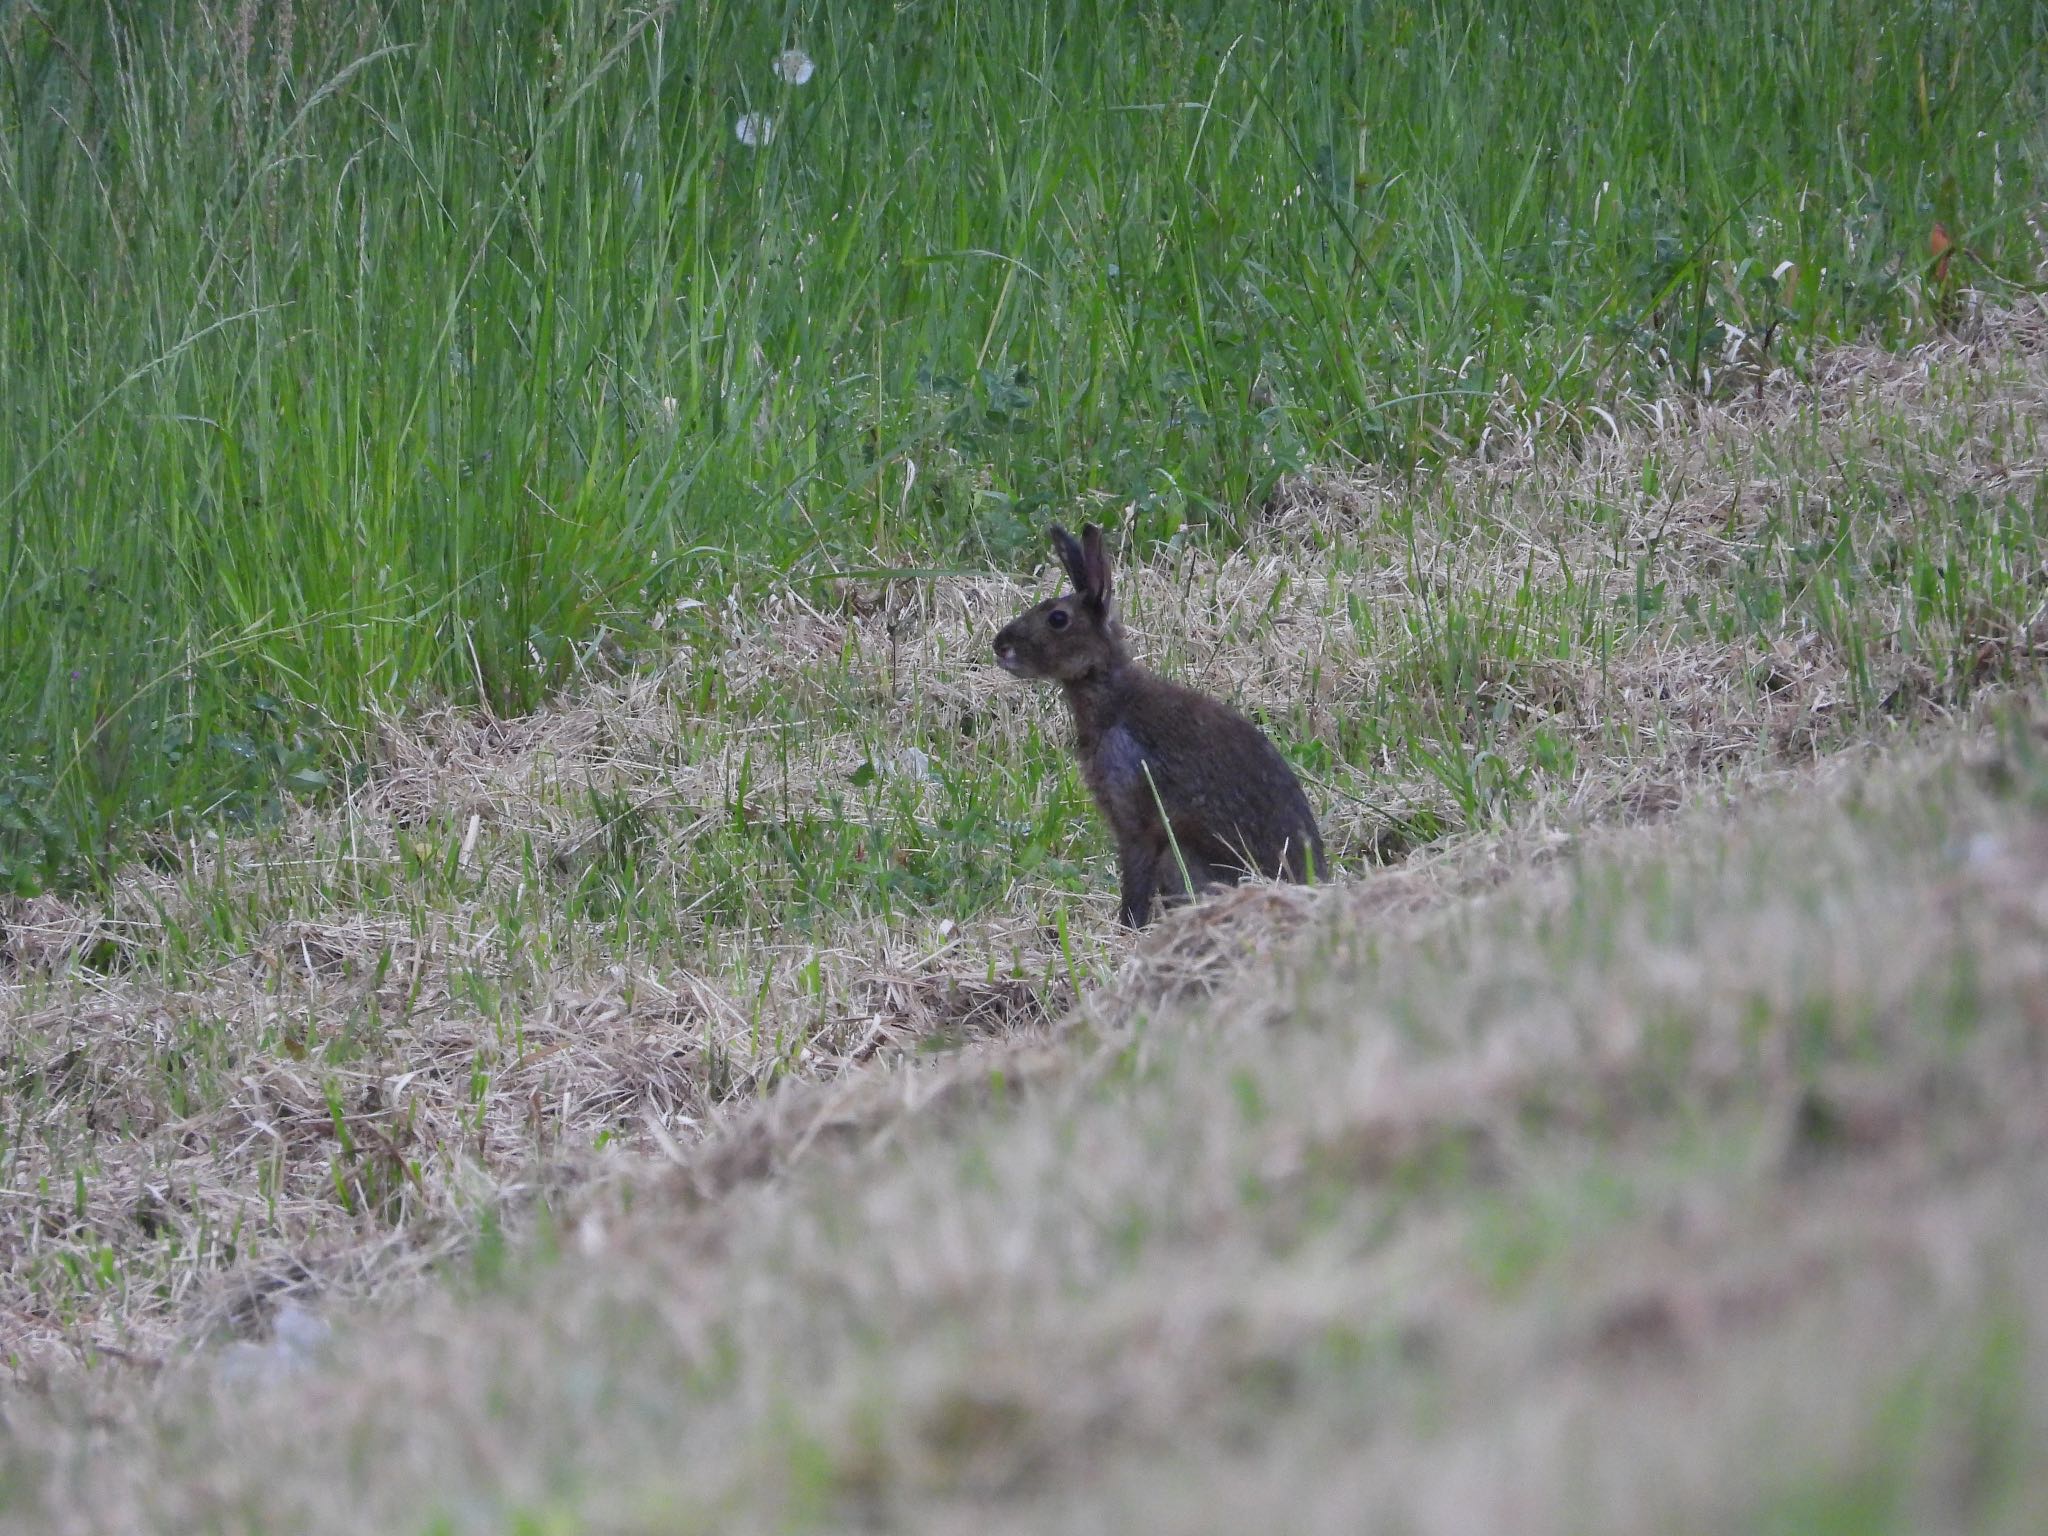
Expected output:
(754, 129)
(668, 409)
(794, 65)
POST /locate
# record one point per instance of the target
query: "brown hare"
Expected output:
(1194, 792)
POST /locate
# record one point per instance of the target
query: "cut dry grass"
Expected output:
(1692, 1181)
(826, 834)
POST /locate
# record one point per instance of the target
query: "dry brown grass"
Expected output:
(308, 1064)
(1693, 1181)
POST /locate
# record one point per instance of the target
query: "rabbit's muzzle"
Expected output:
(1009, 656)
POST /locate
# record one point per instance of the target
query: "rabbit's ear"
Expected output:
(1071, 557)
(1094, 582)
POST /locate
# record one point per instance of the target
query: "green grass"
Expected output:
(413, 355)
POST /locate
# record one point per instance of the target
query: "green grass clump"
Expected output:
(352, 355)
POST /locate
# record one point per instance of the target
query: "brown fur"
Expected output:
(1194, 792)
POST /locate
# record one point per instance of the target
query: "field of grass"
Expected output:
(1683, 1177)
(525, 1026)
(359, 356)
(547, 983)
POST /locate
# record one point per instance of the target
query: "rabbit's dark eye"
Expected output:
(1057, 618)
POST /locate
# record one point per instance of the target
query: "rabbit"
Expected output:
(1194, 792)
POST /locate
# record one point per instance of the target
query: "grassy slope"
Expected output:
(308, 1059)
(354, 354)
(1689, 1179)
(1588, 1178)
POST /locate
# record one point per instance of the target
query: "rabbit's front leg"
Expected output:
(1138, 863)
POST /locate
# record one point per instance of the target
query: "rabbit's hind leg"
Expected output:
(1173, 873)
(1199, 872)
